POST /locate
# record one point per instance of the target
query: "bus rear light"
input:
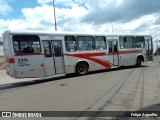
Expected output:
(11, 60)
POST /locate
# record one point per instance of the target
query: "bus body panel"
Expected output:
(53, 57)
(29, 66)
(8, 54)
(95, 62)
(129, 57)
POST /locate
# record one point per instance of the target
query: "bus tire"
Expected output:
(82, 68)
(139, 62)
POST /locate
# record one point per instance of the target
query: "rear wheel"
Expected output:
(82, 68)
(139, 62)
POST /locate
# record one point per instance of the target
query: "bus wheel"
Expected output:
(139, 62)
(82, 68)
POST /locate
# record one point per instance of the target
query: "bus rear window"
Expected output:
(29, 44)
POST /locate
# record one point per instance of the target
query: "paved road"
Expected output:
(126, 89)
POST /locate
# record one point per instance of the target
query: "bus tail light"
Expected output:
(11, 60)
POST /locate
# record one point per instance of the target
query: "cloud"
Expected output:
(121, 11)
(5, 9)
(42, 18)
(90, 16)
(39, 15)
(3, 25)
(44, 15)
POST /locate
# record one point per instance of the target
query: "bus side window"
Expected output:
(100, 43)
(47, 48)
(115, 46)
(121, 42)
(140, 42)
(57, 49)
(85, 43)
(129, 42)
(110, 46)
(70, 43)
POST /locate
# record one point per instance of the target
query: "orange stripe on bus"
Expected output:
(125, 52)
(130, 51)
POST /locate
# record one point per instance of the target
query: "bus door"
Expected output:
(49, 61)
(58, 56)
(54, 61)
(149, 49)
(113, 52)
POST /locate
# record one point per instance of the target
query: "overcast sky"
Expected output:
(126, 16)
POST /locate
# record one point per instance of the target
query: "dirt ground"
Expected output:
(2, 64)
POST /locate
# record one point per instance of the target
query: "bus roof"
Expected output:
(33, 32)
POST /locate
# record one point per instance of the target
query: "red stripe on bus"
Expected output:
(89, 56)
(28, 54)
(107, 64)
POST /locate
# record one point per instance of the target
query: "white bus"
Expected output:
(39, 54)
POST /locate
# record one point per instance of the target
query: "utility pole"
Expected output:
(55, 23)
(112, 25)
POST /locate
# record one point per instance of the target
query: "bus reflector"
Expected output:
(11, 60)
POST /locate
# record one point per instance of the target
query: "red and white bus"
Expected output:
(39, 54)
